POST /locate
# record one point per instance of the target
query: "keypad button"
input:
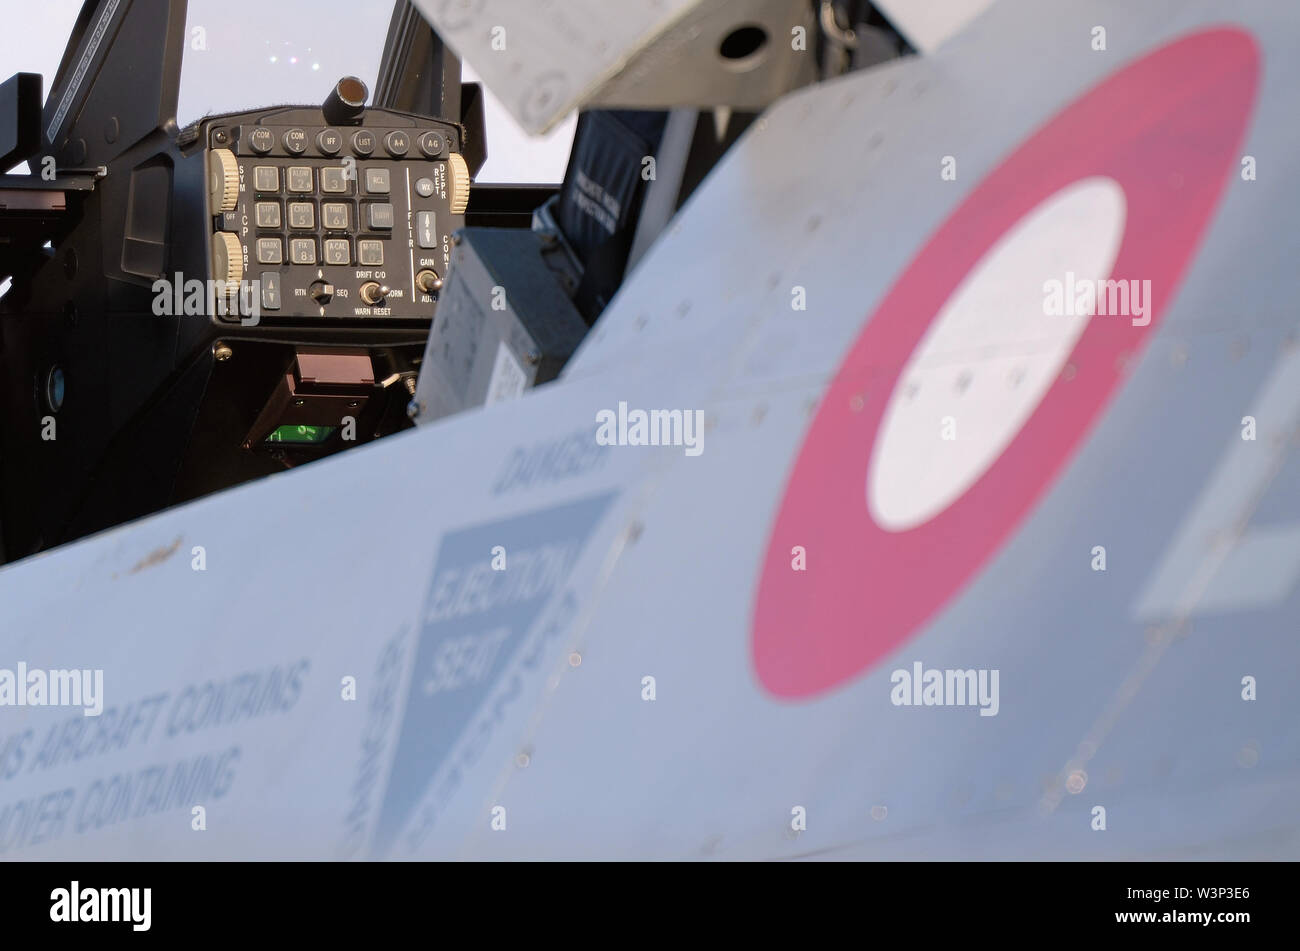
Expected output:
(300, 178)
(363, 143)
(270, 290)
(426, 229)
(370, 253)
(424, 187)
(329, 141)
(266, 178)
(334, 180)
(335, 216)
(397, 144)
(302, 250)
(378, 181)
(379, 216)
(268, 214)
(261, 140)
(338, 251)
(302, 215)
(432, 144)
(295, 141)
(270, 251)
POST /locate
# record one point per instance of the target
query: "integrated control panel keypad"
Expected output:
(343, 223)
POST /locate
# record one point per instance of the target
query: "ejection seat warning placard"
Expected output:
(475, 621)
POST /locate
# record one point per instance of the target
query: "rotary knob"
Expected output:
(227, 259)
(457, 183)
(223, 180)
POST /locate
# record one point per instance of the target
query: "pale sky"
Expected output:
(295, 56)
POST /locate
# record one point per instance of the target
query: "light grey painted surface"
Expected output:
(345, 564)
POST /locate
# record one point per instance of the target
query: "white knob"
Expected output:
(457, 183)
(223, 180)
(227, 259)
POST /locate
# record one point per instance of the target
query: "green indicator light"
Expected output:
(302, 435)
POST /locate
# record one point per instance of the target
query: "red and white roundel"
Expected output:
(1121, 183)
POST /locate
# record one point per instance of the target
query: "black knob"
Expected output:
(432, 145)
(363, 142)
(397, 144)
(262, 140)
(295, 141)
(346, 102)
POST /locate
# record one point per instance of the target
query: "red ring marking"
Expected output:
(1168, 128)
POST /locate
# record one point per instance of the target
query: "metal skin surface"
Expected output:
(505, 714)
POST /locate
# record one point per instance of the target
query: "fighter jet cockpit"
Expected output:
(241, 237)
(695, 431)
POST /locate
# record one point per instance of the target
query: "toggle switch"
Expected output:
(428, 281)
(373, 293)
